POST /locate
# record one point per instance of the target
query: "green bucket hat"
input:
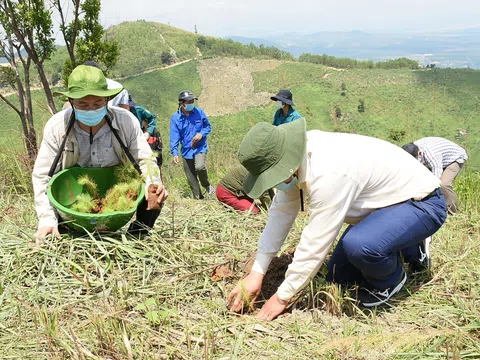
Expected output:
(271, 154)
(87, 80)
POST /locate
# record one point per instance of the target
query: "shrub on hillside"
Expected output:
(346, 63)
(210, 46)
(167, 58)
(361, 106)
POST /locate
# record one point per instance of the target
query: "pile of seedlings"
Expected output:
(121, 197)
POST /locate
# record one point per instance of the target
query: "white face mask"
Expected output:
(280, 104)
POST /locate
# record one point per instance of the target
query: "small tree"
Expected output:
(167, 57)
(85, 37)
(338, 112)
(201, 41)
(28, 26)
(361, 106)
(69, 30)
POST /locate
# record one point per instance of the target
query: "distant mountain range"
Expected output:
(455, 48)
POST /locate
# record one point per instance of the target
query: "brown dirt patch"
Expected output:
(273, 278)
(221, 272)
(10, 212)
(276, 274)
(227, 85)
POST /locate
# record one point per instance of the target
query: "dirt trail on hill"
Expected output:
(227, 85)
(155, 69)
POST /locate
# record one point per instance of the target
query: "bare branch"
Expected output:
(11, 105)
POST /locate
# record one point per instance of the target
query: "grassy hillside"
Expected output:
(400, 105)
(142, 44)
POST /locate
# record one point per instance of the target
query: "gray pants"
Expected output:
(195, 170)
(448, 176)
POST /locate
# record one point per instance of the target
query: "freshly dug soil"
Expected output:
(153, 198)
(272, 280)
(275, 274)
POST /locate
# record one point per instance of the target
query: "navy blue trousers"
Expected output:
(370, 250)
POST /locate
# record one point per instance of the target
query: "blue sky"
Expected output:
(257, 18)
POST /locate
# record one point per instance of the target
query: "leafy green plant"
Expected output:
(125, 172)
(154, 314)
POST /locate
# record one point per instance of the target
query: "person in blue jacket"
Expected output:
(285, 112)
(189, 126)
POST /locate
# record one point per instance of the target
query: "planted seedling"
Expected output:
(247, 300)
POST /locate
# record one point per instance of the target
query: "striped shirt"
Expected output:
(438, 153)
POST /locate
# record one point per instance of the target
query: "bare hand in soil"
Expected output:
(272, 308)
(247, 289)
(44, 231)
(156, 194)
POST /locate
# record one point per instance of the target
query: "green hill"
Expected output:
(149, 45)
(400, 105)
(143, 43)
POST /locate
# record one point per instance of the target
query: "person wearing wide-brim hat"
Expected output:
(285, 113)
(391, 201)
(96, 136)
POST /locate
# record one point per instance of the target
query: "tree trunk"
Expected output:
(31, 144)
(30, 134)
(46, 88)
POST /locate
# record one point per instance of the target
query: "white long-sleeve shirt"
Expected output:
(346, 177)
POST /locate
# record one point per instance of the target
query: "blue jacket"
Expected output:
(182, 130)
(279, 119)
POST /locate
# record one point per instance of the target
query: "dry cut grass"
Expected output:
(112, 296)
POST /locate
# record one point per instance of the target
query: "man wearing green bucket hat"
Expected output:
(91, 134)
(391, 202)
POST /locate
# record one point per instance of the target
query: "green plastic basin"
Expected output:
(62, 192)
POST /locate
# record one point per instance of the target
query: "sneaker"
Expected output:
(423, 262)
(374, 297)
